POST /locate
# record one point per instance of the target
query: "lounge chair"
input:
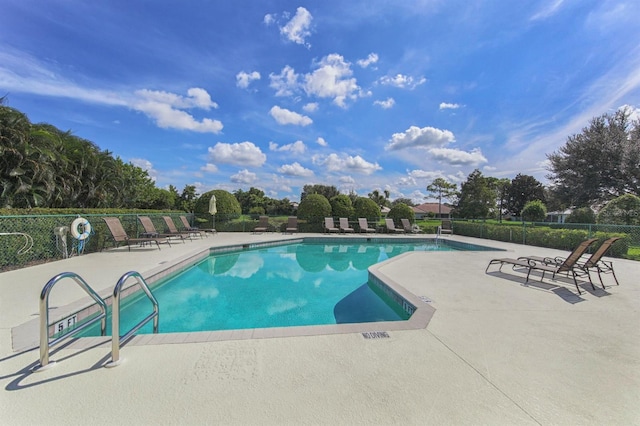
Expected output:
(151, 232)
(391, 227)
(193, 229)
(329, 226)
(364, 225)
(119, 235)
(344, 225)
(408, 227)
(174, 231)
(263, 225)
(446, 227)
(292, 225)
(602, 266)
(569, 265)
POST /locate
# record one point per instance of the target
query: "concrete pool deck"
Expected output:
(495, 352)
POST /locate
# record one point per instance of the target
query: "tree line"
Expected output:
(42, 166)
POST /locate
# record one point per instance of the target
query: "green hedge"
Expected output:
(542, 236)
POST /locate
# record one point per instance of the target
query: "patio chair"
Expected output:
(174, 231)
(364, 225)
(446, 227)
(408, 227)
(391, 227)
(151, 232)
(263, 225)
(344, 225)
(187, 227)
(569, 265)
(602, 266)
(329, 226)
(119, 235)
(292, 225)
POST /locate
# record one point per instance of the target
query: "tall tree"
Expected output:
(378, 198)
(523, 188)
(328, 191)
(600, 163)
(441, 188)
(477, 197)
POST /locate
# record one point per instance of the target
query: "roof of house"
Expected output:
(432, 208)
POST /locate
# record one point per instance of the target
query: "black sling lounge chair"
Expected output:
(119, 235)
(570, 265)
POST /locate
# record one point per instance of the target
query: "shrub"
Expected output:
(314, 208)
(534, 211)
(226, 203)
(624, 210)
(582, 215)
(367, 208)
(341, 206)
(401, 211)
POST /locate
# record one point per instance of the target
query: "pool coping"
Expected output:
(26, 335)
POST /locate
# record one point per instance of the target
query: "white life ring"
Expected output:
(86, 226)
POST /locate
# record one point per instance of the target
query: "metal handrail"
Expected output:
(116, 338)
(45, 343)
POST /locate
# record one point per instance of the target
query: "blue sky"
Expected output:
(362, 95)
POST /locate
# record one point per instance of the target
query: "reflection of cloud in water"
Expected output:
(317, 283)
(187, 294)
(247, 265)
(282, 305)
(294, 275)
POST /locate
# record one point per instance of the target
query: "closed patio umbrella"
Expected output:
(213, 210)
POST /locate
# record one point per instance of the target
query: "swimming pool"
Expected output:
(306, 283)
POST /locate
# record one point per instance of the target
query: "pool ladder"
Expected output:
(116, 339)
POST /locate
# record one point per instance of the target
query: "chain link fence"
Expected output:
(30, 240)
(563, 236)
(27, 240)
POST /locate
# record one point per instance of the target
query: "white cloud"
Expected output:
(243, 79)
(197, 98)
(298, 147)
(457, 157)
(549, 10)
(244, 177)
(285, 83)
(407, 181)
(269, 18)
(209, 168)
(331, 80)
(295, 169)
(402, 81)
(390, 102)
(298, 28)
(320, 141)
(243, 154)
(310, 107)
(371, 59)
(426, 174)
(445, 105)
(284, 116)
(415, 136)
(346, 180)
(166, 109)
(335, 163)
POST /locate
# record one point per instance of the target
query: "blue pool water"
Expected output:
(277, 286)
